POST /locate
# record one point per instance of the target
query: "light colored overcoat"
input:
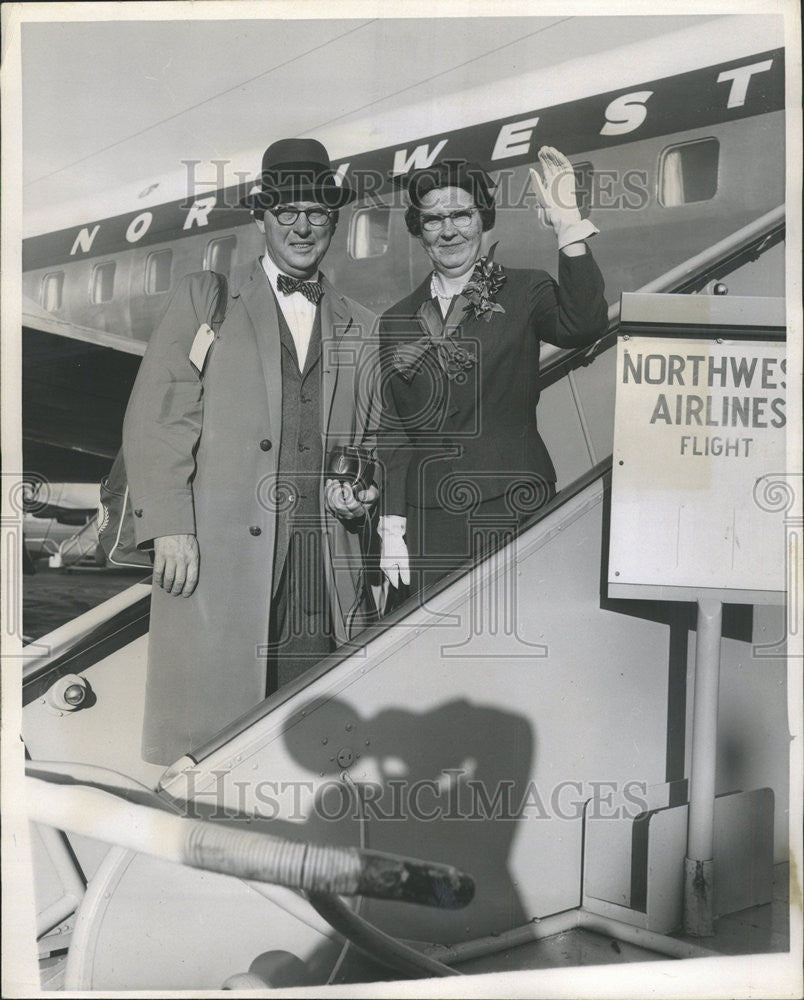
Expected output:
(201, 456)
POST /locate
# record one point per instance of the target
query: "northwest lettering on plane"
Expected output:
(623, 116)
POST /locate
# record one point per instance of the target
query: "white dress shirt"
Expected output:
(445, 289)
(298, 310)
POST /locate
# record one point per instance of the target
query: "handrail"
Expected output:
(116, 622)
(748, 243)
(63, 639)
(90, 811)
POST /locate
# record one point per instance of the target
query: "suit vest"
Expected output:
(300, 466)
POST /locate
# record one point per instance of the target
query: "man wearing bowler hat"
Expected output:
(258, 567)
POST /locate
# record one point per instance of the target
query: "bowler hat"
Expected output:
(298, 170)
(448, 173)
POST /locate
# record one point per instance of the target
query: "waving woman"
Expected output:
(460, 359)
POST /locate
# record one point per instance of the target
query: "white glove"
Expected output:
(394, 560)
(557, 198)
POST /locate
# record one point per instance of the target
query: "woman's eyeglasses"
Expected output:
(461, 219)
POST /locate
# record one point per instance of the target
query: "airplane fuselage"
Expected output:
(662, 168)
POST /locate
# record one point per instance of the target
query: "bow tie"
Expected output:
(311, 290)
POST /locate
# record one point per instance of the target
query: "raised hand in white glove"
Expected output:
(557, 198)
(394, 561)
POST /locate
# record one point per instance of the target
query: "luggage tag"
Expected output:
(204, 339)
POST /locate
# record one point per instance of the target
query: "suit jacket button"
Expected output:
(138, 512)
(255, 529)
(265, 444)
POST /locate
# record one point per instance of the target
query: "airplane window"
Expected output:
(369, 234)
(102, 282)
(219, 253)
(157, 272)
(689, 172)
(52, 290)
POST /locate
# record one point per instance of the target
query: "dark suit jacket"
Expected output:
(443, 437)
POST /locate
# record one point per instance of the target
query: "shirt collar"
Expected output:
(272, 272)
(444, 288)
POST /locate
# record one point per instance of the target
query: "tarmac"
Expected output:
(51, 597)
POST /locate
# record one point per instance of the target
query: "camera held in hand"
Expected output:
(352, 464)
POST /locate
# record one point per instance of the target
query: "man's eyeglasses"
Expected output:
(461, 219)
(287, 216)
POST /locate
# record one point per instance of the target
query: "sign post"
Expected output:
(699, 862)
(699, 419)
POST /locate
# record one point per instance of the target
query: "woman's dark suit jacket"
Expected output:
(478, 432)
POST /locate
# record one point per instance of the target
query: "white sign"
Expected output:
(699, 424)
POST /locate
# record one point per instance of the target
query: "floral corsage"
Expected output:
(481, 290)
